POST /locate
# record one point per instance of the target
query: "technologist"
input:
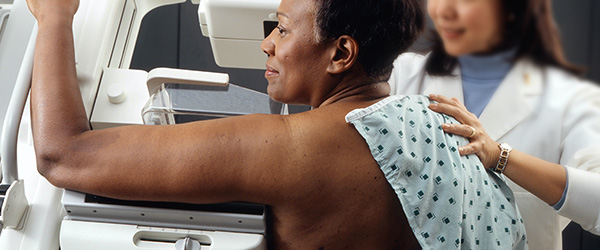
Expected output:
(528, 115)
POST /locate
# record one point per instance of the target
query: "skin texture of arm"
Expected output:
(550, 178)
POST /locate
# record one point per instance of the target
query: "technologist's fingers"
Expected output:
(443, 99)
(463, 130)
(469, 149)
(451, 107)
(480, 143)
(448, 110)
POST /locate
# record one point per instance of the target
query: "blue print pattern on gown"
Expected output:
(450, 201)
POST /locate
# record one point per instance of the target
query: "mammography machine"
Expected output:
(35, 215)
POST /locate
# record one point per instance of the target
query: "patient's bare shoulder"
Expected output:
(336, 196)
(305, 150)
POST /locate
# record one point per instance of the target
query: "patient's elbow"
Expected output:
(48, 165)
(58, 157)
(44, 163)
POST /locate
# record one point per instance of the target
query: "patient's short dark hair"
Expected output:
(382, 28)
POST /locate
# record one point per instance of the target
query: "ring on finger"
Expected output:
(473, 131)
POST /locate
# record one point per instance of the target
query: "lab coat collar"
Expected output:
(449, 86)
(510, 104)
(513, 100)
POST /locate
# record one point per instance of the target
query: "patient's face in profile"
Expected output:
(296, 63)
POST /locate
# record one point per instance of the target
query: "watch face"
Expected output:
(505, 146)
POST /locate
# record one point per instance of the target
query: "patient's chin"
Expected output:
(275, 93)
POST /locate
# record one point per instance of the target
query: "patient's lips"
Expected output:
(271, 72)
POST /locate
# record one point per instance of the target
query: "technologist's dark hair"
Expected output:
(529, 25)
(382, 28)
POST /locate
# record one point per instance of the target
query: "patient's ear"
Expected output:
(345, 55)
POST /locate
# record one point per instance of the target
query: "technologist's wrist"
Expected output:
(503, 157)
(493, 156)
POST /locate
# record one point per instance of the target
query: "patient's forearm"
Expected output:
(58, 114)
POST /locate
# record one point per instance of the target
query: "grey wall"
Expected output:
(595, 44)
(170, 36)
(579, 24)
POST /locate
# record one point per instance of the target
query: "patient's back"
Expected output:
(338, 194)
(335, 196)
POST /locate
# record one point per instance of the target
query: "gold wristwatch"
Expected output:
(503, 160)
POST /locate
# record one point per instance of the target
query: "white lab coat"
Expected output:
(544, 112)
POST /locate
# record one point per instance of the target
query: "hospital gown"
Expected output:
(450, 201)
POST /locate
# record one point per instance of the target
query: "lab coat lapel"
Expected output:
(511, 103)
(448, 86)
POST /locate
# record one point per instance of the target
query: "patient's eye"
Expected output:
(281, 30)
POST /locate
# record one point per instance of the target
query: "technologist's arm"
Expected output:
(544, 179)
(189, 162)
(550, 178)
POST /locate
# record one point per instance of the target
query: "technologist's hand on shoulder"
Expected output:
(471, 128)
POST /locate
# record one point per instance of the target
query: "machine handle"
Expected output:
(3, 18)
(10, 130)
(158, 76)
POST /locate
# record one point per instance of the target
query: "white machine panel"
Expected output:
(120, 99)
(229, 217)
(131, 237)
(236, 29)
(95, 26)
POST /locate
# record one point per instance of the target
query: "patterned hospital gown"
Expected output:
(450, 201)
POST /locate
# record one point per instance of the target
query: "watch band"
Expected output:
(503, 159)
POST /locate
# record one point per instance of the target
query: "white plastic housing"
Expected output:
(235, 29)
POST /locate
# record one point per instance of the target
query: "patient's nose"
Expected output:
(268, 45)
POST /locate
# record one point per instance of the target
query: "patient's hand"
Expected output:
(481, 143)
